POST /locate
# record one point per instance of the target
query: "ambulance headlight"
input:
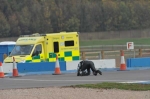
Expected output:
(23, 61)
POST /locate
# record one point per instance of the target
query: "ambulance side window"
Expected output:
(69, 43)
(37, 50)
(56, 47)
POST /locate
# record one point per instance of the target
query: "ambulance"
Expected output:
(44, 48)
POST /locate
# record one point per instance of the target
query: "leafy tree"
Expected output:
(72, 24)
(30, 16)
(24, 20)
(123, 18)
(14, 25)
(4, 26)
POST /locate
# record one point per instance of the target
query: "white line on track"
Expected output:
(120, 81)
(135, 82)
(60, 80)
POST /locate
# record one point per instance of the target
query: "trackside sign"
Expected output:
(130, 45)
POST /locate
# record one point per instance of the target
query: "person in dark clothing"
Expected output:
(87, 65)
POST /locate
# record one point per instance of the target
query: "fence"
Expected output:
(114, 54)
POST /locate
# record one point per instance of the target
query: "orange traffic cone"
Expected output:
(15, 70)
(1, 71)
(122, 65)
(57, 67)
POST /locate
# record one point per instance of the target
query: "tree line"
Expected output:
(21, 17)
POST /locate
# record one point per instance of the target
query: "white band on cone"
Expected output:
(1, 69)
(122, 60)
(14, 65)
(57, 63)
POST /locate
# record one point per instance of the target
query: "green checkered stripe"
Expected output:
(62, 58)
(35, 59)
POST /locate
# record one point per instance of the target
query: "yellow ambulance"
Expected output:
(44, 48)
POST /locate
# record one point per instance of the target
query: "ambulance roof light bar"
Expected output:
(33, 35)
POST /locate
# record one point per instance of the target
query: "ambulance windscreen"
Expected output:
(22, 50)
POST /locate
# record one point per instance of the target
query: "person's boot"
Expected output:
(95, 73)
(98, 71)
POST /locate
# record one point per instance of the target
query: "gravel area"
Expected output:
(72, 93)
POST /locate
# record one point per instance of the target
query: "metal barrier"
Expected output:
(114, 54)
(138, 62)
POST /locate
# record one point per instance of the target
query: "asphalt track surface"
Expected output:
(67, 79)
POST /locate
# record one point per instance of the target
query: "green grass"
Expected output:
(138, 41)
(108, 85)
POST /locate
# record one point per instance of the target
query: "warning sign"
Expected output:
(130, 45)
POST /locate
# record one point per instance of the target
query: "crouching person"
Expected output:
(85, 67)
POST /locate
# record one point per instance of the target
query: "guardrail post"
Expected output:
(83, 55)
(140, 52)
(102, 54)
(99, 55)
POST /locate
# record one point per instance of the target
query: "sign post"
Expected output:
(130, 46)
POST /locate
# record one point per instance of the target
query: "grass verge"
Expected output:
(137, 41)
(123, 86)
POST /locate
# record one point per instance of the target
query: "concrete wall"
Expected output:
(138, 62)
(105, 63)
(50, 66)
(7, 67)
(37, 67)
(64, 66)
